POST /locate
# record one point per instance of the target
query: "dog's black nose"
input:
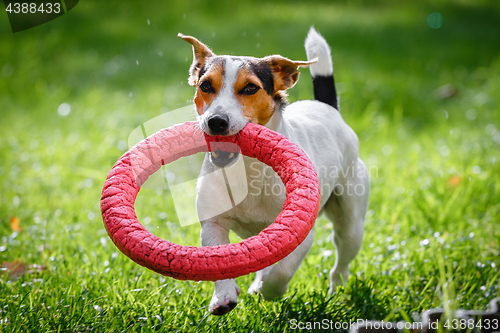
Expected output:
(218, 124)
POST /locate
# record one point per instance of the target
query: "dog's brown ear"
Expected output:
(285, 71)
(200, 54)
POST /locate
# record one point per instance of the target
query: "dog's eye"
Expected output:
(206, 86)
(250, 89)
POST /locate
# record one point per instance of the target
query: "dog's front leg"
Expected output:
(216, 232)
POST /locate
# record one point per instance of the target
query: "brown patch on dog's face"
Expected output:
(209, 84)
(256, 104)
(272, 75)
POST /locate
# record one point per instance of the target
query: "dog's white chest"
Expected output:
(265, 197)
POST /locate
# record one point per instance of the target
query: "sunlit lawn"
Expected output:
(424, 103)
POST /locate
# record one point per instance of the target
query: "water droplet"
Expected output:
(435, 20)
(496, 137)
(24, 156)
(111, 67)
(471, 114)
(122, 145)
(491, 129)
(50, 150)
(88, 183)
(64, 109)
(170, 176)
(424, 242)
(444, 151)
(36, 167)
(481, 98)
(327, 253)
(386, 150)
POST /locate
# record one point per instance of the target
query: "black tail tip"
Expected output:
(324, 90)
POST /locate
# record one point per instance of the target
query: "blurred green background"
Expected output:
(419, 82)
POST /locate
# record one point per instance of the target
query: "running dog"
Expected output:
(232, 91)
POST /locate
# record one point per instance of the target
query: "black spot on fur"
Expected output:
(203, 70)
(265, 75)
(324, 90)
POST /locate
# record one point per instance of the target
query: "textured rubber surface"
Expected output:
(219, 262)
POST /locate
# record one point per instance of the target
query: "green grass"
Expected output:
(432, 236)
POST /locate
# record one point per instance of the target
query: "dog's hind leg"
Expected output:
(257, 282)
(346, 208)
(275, 283)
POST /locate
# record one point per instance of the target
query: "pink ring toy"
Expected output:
(218, 262)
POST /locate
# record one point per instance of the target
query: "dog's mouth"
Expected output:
(222, 158)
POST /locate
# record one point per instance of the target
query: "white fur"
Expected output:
(317, 47)
(332, 146)
(225, 102)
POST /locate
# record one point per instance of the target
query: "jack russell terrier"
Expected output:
(232, 91)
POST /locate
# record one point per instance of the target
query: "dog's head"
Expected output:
(232, 91)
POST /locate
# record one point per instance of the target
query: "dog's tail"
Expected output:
(321, 71)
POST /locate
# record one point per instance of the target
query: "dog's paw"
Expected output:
(255, 286)
(259, 277)
(337, 278)
(222, 309)
(224, 298)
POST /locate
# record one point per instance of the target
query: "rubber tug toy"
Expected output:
(207, 263)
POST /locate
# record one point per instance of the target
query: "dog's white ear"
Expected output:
(285, 71)
(200, 54)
